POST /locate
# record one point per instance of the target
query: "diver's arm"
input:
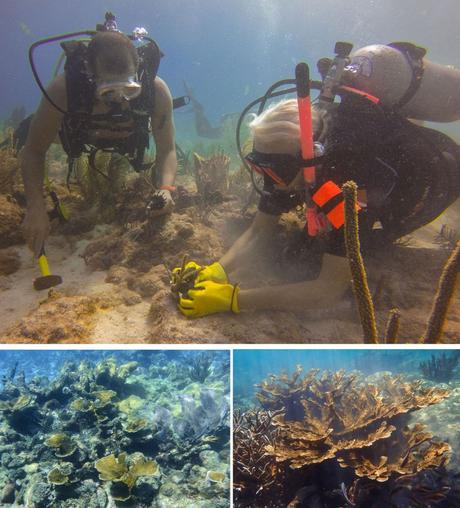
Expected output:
(259, 231)
(164, 135)
(43, 129)
(327, 289)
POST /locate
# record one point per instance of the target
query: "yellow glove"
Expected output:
(209, 297)
(176, 271)
(214, 272)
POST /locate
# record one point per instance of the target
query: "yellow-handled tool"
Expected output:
(46, 280)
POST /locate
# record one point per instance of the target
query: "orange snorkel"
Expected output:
(302, 78)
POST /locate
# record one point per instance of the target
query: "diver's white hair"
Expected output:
(276, 130)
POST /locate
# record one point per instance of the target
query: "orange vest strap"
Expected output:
(337, 215)
(326, 192)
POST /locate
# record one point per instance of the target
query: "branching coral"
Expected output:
(255, 471)
(336, 418)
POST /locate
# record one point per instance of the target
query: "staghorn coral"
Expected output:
(255, 472)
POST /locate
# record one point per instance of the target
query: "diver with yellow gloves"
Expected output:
(407, 175)
(109, 98)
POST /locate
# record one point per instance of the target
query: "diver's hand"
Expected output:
(177, 272)
(36, 228)
(209, 297)
(164, 198)
(214, 272)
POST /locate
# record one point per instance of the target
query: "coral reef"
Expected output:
(316, 424)
(211, 176)
(103, 433)
(60, 318)
(440, 368)
(11, 216)
(9, 262)
(254, 470)
(200, 367)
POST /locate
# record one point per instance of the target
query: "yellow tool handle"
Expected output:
(43, 264)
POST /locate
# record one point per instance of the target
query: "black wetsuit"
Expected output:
(411, 174)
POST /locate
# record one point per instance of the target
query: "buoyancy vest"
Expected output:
(409, 173)
(79, 121)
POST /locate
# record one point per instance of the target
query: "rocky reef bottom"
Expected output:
(116, 282)
(131, 429)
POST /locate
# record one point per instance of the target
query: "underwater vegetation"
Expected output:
(332, 439)
(442, 300)
(116, 433)
(440, 368)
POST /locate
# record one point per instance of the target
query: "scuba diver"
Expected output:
(109, 98)
(406, 174)
(202, 125)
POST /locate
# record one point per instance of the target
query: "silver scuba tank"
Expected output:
(401, 77)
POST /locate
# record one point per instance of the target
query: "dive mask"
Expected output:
(110, 91)
(281, 168)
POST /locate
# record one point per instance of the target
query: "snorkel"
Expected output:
(302, 75)
(323, 199)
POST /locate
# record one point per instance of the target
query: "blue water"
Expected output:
(229, 51)
(250, 367)
(47, 364)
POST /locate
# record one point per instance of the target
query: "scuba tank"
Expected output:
(400, 76)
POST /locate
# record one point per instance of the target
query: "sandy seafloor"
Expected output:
(117, 312)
